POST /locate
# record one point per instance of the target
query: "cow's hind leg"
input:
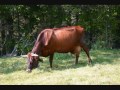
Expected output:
(87, 52)
(51, 59)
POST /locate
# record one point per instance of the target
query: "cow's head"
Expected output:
(32, 61)
(42, 40)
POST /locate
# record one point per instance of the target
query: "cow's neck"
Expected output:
(36, 48)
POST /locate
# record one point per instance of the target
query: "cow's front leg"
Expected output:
(77, 52)
(51, 59)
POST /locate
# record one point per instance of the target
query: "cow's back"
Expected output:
(65, 39)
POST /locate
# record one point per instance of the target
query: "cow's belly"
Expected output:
(46, 52)
(63, 49)
(59, 48)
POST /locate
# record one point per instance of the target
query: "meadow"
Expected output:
(105, 70)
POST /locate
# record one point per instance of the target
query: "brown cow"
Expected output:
(61, 40)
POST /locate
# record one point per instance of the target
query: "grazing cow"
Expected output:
(61, 40)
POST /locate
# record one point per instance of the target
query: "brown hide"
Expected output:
(60, 40)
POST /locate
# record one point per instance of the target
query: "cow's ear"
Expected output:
(47, 37)
(29, 55)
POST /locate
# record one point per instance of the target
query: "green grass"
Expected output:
(104, 71)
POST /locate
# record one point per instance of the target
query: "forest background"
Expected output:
(20, 25)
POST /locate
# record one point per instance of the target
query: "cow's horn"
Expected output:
(24, 55)
(34, 54)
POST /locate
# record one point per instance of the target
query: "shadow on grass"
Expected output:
(103, 57)
(64, 61)
(61, 61)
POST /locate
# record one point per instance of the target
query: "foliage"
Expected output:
(20, 24)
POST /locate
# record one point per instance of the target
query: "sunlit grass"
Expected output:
(105, 70)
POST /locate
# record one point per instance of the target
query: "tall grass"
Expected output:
(105, 70)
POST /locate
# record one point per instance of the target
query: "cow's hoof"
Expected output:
(90, 64)
(28, 70)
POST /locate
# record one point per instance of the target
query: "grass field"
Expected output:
(104, 71)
